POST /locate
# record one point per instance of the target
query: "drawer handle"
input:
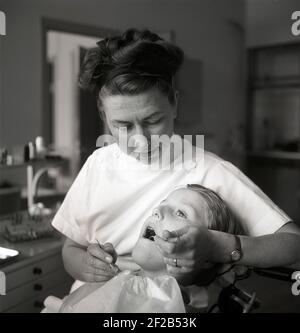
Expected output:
(38, 304)
(37, 271)
(37, 287)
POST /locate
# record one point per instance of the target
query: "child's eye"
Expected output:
(181, 214)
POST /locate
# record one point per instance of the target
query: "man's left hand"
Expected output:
(185, 250)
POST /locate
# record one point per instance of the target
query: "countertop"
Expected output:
(30, 251)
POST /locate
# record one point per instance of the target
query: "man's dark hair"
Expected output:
(131, 64)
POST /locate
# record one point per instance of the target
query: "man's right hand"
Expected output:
(99, 263)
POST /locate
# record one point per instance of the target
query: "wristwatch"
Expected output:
(237, 253)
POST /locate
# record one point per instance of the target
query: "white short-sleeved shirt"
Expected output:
(113, 194)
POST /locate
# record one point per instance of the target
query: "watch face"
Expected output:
(235, 255)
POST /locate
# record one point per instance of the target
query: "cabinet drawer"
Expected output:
(33, 271)
(33, 289)
(36, 304)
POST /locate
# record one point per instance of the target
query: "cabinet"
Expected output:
(274, 93)
(27, 287)
(37, 273)
(274, 123)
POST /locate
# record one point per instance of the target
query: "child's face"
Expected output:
(181, 208)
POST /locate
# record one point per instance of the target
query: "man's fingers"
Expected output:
(169, 236)
(100, 253)
(108, 247)
(165, 246)
(100, 264)
(169, 247)
(100, 272)
(179, 262)
(104, 273)
(97, 263)
(94, 274)
(178, 270)
(90, 277)
(175, 234)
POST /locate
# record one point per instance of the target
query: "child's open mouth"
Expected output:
(149, 233)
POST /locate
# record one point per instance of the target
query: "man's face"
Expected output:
(131, 117)
(182, 207)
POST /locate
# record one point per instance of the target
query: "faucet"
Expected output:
(32, 183)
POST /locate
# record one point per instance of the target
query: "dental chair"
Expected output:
(234, 298)
(276, 290)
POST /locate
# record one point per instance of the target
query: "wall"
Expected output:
(269, 21)
(210, 31)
